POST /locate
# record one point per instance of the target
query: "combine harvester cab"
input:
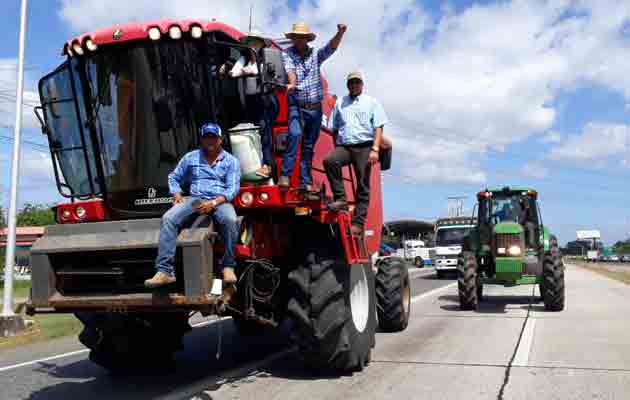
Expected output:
(510, 246)
(119, 113)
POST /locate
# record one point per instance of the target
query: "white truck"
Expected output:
(416, 252)
(592, 255)
(449, 237)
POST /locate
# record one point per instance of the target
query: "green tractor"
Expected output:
(510, 246)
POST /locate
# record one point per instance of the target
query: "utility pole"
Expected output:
(10, 324)
(456, 206)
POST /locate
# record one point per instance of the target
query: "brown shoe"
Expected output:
(357, 230)
(228, 275)
(159, 279)
(284, 183)
(338, 205)
(264, 171)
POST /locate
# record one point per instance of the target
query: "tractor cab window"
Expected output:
(505, 209)
(65, 125)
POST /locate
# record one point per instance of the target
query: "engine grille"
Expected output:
(506, 240)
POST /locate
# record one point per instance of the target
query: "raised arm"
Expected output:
(325, 52)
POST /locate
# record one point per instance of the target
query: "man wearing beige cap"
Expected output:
(305, 95)
(357, 121)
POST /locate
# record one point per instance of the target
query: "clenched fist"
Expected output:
(342, 28)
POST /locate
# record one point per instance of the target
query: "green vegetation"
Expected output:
(35, 215)
(21, 289)
(45, 327)
(622, 247)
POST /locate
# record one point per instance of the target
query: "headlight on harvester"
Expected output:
(247, 199)
(514, 251)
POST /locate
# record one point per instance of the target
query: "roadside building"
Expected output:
(25, 237)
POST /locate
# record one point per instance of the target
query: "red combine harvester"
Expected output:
(119, 113)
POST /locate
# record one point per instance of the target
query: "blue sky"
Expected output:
(478, 93)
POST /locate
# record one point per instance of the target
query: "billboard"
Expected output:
(589, 234)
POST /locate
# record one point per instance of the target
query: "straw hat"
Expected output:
(301, 29)
(254, 35)
(354, 75)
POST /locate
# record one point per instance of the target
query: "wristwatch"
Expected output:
(376, 149)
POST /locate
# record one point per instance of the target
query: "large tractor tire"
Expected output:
(552, 285)
(333, 306)
(134, 342)
(393, 295)
(467, 281)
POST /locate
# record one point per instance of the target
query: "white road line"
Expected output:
(82, 351)
(525, 346)
(197, 325)
(432, 292)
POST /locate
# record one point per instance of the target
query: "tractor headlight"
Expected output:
(175, 32)
(78, 50)
(196, 32)
(247, 199)
(514, 250)
(154, 33)
(80, 212)
(501, 250)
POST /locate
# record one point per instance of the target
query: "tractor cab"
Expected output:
(120, 115)
(512, 212)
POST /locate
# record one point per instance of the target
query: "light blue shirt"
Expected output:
(355, 119)
(222, 178)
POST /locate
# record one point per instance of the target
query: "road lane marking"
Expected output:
(525, 346)
(82, 351)
(432, 292)
(197, 325)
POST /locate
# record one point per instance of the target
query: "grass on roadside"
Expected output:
(21, 289)
(45, 326)
(621, 276)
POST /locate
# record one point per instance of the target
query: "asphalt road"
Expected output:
(510, 349)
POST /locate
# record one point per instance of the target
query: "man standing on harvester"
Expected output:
(357, 121)
(213, 176)
(305, 95)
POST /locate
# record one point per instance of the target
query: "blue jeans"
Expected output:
(173, 220)
(312, 124)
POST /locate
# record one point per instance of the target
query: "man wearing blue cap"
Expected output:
(214, 178)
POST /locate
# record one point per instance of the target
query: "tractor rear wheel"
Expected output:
(393, 295)
(134, 342)
(333, 307)
(467, 281)
(552, 285)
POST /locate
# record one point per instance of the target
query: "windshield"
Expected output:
(150, 100)
(71, 147)
(505, 209)
(451, 236)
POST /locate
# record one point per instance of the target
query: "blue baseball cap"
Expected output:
(210, 129)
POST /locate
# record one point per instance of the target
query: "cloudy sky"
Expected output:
(478, 92)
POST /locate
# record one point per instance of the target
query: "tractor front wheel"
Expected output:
(333, 307)
(393, 295)
(552, 285)
(134, 342)
(467, 281)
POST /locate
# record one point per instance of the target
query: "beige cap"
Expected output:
(255, 35)
(354, 75)
(301, 29)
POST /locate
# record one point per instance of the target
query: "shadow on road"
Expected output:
(490, 304)
(196, 368)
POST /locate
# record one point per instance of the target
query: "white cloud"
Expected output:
(455, 87)
(552, 137)
(535, 170)
(596, 144)
(8, 79)
(35, 165)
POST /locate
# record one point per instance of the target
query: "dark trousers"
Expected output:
(262, 110)
(304, 126)
(357, 155)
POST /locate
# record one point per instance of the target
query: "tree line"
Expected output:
(31, 214)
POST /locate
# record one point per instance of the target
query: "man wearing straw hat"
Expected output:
(305, 95)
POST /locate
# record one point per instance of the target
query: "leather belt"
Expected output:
(311, 106)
